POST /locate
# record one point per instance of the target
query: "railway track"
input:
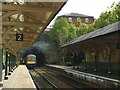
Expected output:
(54, 79)
(41, 82)
(66, 79)
(45, 78)
(59, 79)
(77, 82)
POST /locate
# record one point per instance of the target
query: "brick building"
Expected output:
(75, 18)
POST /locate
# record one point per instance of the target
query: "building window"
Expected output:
(87, 20)
(70, 19)
(78, 19)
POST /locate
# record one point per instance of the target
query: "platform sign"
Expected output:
(19, 37)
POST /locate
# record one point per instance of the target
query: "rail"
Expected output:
(47, 80)
(41, 82)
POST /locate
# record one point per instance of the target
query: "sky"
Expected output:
(87, 7)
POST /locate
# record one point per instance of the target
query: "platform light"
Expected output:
(40, 27)
(21, 29)
(15, 30)
(38, 31)
(35, 36)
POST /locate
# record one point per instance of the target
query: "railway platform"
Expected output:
(101, 80)
(19, 79)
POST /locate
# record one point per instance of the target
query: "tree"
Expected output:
(71, 32)
(63, 31)
(59, 32)
(81, 29)
(108, 17)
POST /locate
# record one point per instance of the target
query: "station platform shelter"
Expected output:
(98, 51)
(21, 23)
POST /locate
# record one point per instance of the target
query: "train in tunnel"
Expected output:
(31, 61)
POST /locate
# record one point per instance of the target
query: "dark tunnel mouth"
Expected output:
(40, 56)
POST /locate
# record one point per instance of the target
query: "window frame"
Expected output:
(70, 19)
(78, 19)
(87, 20)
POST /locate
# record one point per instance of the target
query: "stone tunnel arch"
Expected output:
(40, 56)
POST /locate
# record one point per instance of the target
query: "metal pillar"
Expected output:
(9, 59)
(1, 58)
(95, 58)
(6, 65)
(84, 61)
(12, 60)
(109, 58)
(15, 60)
(95, 61)
(109, 63)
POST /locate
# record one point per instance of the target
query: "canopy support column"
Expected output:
(1, 66)
(9, 58)
(6, 66)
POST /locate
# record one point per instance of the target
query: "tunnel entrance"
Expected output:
(40, 56)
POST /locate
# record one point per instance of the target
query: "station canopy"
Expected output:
(26, 18)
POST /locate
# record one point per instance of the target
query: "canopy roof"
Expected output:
(100, 32)
(29, 18)
(76, 15)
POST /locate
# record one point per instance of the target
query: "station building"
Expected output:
(21, 23)
(101, 49)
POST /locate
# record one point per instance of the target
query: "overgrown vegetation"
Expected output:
(108, 17)
(63, 31)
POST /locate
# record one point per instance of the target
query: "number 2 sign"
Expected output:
(19, 37)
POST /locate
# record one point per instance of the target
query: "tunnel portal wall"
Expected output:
(40, 56)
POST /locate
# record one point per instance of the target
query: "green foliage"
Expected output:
(108, 17)
(18, 62)
(63, 31)
(58, 62)
(59, 32)
(71, 32)
(81, 29)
